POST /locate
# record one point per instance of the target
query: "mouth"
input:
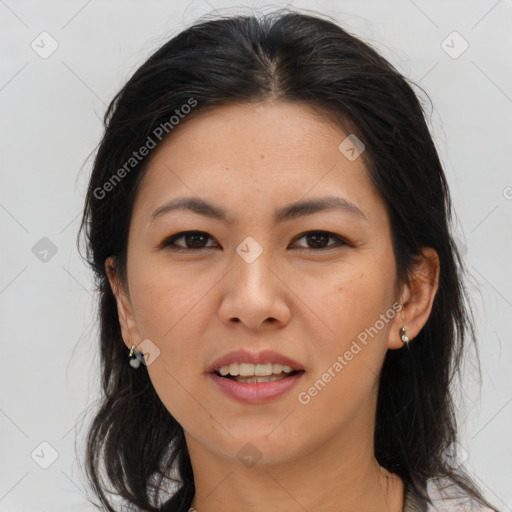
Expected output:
(256, 389)
(253, 379)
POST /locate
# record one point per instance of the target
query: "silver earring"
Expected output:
(405, 338)
(134, 360)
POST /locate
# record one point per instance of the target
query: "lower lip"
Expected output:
(256, 392)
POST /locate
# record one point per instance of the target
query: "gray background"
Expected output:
(51, 109)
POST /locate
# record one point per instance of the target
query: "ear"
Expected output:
(416, 298)
(126, 316)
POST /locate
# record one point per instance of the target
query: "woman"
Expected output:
(268, 223)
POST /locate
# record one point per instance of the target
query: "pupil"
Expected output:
(317, 236)
(194, 236)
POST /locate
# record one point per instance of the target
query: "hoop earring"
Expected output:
(403, 335)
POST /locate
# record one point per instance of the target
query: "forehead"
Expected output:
(255, 155)
(247, 127)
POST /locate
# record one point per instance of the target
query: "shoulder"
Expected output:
(447, 496)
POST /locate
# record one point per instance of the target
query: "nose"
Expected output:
(255, 295)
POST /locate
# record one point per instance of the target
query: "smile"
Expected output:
(247, 372)
(255, 389)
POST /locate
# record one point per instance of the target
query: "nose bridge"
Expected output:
(253, 293)
(252, 262)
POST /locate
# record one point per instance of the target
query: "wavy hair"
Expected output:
(133, 442)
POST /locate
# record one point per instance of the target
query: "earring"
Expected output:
(134, 360)
(405, 338)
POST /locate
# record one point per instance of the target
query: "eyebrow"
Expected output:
(287, 212)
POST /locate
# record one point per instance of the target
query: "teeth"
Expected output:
(250, 370)
(246, 369)
(255, 378)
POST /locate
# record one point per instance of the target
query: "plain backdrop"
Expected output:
(63, 61)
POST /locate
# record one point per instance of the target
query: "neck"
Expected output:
(339, 475)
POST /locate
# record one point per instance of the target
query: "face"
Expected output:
(316, 285)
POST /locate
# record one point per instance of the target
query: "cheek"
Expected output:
(173, 310)
(169, 312)
(352, 306)
(168, 300)
(348, 302)
(348, 359)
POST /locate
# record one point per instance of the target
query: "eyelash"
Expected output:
(169, 242)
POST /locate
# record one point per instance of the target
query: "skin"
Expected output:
(305, 302)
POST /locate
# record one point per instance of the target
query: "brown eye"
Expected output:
(192, 240)
(319, 240)
(197, 240)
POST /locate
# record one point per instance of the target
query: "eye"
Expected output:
(319, 239)
(193, 240)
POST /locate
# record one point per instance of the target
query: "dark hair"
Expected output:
(291, 57)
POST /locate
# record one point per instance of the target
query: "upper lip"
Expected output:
(243, 356)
